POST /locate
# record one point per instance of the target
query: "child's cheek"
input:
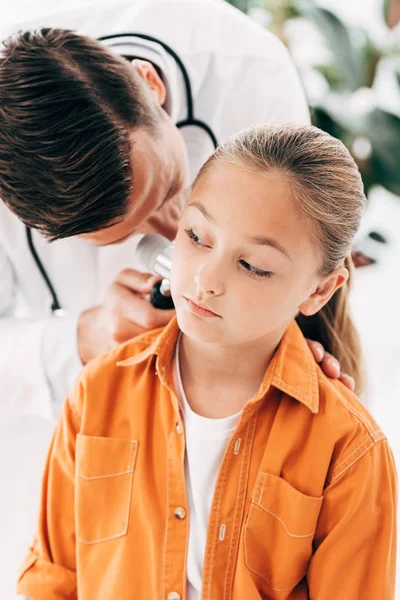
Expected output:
(177, 269)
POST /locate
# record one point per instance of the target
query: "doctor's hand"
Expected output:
(124, 313)
(330, 365)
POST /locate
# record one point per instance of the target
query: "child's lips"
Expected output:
(199, 309)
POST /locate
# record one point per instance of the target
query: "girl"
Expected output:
(213, 459)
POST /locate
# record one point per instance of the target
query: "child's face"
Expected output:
(256, 289)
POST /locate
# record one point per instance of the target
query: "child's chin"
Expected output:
(202, 330)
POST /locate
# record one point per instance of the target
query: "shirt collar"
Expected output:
(292, 369)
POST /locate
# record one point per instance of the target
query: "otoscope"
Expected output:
(154, 253)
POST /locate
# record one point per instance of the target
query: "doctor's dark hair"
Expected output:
(67, 105)
(327, 187)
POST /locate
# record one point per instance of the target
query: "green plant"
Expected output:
(371, 133)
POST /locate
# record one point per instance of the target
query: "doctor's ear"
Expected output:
(152, 79)
(324, 291)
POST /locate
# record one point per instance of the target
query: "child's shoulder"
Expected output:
(349, 421)
(336, 398)
(104, 376)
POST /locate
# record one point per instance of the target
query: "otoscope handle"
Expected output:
(160, 296)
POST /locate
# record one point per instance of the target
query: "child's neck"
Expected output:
(219, 379)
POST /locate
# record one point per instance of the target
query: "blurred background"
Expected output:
(348, 57)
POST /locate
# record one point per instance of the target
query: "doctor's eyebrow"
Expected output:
(259, 240)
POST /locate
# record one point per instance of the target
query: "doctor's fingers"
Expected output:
(137, 309)
(136, 281)
(125, 330)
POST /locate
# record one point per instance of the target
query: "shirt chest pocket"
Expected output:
(279, 532)
(103, 487)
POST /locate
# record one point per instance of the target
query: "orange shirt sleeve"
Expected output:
(49, 568)
(355, 541)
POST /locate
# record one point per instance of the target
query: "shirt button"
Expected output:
(179, 428)
(174, 596)
(180, 513)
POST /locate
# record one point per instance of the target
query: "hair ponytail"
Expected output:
(333, 327)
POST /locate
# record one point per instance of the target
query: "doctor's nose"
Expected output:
(208, 283)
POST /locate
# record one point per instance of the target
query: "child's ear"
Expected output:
(324, 292)
(152, 79)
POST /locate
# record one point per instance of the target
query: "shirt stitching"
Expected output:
(254, 570)
(289, 388)
(104, 476)
(252, 423)
(235, 513)
(166, 521)
(368, 439)
(128, 506)
(294, 535)
(310, 380)
(347, 467)
(350, 408)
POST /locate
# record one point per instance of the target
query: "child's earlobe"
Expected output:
(324, 291)
(309, 307)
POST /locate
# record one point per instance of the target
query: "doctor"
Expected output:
(96, 149)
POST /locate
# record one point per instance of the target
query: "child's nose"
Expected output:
(209, 282)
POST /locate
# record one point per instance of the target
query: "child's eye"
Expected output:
(255, 271)
(195, 240)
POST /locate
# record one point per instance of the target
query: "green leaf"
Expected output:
(368, 55)
(341, 110)
(338, 40)
(321, 118)
(331, 74)
(242, 5)
(386, 9)
(383, 130)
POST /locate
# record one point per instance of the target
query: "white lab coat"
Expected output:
(240, 75)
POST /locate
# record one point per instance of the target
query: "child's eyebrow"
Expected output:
(266, 241)
(262, 241)
(203, 211)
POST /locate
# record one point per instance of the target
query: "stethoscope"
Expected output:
(190, 120)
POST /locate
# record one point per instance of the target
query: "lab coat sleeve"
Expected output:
(355, 540)
(49, 568)
(39, 358)
(24, 386)
(7, 285)
(60, 357)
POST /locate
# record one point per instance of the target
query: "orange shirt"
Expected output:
(304, 505)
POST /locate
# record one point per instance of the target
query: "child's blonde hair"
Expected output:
(328, 188)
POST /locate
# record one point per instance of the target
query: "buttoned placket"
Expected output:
(223, 533)
(177, 526)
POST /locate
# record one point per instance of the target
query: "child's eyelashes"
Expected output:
(255, 271)
(196, 241)
(252, 271)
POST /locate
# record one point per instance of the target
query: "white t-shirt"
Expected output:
(206, 440)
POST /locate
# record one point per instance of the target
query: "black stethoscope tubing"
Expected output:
(190, 120)
(56, 307)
